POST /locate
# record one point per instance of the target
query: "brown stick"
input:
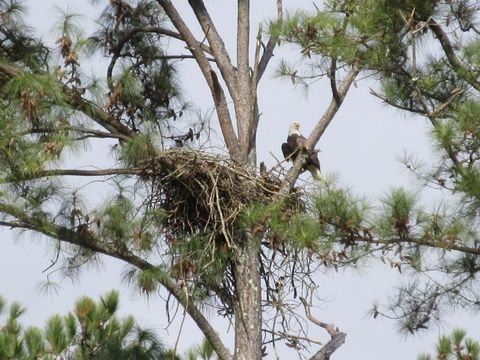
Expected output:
(337, 337)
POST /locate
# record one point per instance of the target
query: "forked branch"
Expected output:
(217, 45)
(209, 74)
(337, 337)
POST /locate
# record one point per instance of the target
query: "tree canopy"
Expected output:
(211, 227)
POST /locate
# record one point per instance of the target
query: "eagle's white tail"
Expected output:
(316, 174)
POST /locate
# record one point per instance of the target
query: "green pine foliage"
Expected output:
(399, 212)
(18, 44)
(455, 347)
(202, 351)
(138, 149)
(366, 32)
(92, 331)
(51, 110)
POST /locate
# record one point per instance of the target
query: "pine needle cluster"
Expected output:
(456, 346)
(91, 331)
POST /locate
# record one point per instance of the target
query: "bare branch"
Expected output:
(217, 45)
(455, 93)
(268, 50)
(330, 347)
(76, 101)
(244, 107)
(218, 95)
(398, 106)
(90, 132)
(243, 35)
(266, 56)
(182, 57)
(141, 29)
(337, 337)
(89, 173)
(330, 328)
(332, 75)
(333, 108)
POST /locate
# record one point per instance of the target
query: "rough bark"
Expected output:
(248, 316)
(330, 347)
(243, 102)
(217, 45)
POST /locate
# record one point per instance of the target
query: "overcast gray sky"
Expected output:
(361, 146)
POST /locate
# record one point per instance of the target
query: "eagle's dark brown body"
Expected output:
(295, 145)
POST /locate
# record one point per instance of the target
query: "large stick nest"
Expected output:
(205, 194)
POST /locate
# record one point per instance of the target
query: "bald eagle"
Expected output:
(295, 145)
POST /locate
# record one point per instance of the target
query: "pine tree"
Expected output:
(205, 225)
(91, 331)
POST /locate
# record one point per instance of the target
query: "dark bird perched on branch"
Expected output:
(295, 146)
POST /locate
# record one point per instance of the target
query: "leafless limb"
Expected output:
(101, 117)
(78, 172)
(245, 99)
(209, 74)
(268, 49)
(90, 132)
(333, 80)
(337, 337)
(217, 45)
(116, 51)
(398, 106)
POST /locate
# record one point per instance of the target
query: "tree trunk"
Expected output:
(248, 309)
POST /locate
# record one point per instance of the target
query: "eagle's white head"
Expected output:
(294, 129)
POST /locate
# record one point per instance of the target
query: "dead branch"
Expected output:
(460, 69)
(268, 49)
(337, 337)
(225, 120)
(217, 45)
